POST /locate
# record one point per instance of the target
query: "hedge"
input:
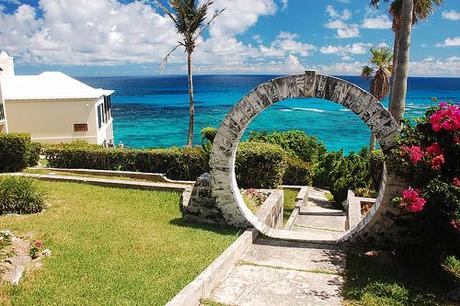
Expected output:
(176, 163)
(17, 152)
(259, 165)
(298, 172)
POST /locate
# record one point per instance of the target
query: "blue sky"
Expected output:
(110, 37)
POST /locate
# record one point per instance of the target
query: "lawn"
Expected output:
(388, 280)
(289, 203)
(112, 247)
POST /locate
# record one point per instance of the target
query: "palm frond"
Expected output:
(367, 72)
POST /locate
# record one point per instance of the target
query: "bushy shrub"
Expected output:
(376, 167)
(339, 173)
(297, 172)
(19, 195)
(176, 163)
(259, 165)
(17, 152)
(294, 142)
(33, 154)
(208, 134)
(428, 157)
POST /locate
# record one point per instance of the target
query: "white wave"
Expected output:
(286, 110)
(344, 110)
(309, 109)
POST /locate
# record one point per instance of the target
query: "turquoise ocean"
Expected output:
(153, 111)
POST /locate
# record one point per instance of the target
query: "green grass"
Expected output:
(289, 203)
(112, 247)
(377, 281)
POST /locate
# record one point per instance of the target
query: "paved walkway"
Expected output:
(275, 272)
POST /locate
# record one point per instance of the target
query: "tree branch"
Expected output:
(164, 61)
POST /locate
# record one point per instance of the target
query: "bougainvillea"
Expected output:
(428, 157)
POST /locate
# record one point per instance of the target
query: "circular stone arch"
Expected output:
(224, 187)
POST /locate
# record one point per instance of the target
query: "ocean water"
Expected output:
(153, 111)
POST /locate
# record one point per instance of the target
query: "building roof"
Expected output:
(48, 86)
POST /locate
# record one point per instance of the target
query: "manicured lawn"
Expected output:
(289, 203)
(112, 247)
(381, 281)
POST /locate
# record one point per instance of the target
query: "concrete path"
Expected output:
(275, 272)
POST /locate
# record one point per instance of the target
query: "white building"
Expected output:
(53, 107)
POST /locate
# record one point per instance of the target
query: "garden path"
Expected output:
(277, 272)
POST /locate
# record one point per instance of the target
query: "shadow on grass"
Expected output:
(220, 229)
(386, 280)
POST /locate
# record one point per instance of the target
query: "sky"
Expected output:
(122, 37)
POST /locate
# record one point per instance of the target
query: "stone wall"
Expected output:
(228, 206)
(271, 211)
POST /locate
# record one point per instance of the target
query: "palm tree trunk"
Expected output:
(372, 143)
(398, 103)
(192, 105)
(395, 64)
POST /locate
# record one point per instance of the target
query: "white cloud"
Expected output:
(436, 67)
(239, 15)
(355, 48)
(451, 15)
(284, 5)
(377, 22)
(450, 42)
(337, 21)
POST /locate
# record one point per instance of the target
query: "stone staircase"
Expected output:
(280, 272)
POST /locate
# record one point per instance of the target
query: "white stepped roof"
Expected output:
(48, 86)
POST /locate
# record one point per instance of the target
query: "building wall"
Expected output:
(52, 121)
(3, 125)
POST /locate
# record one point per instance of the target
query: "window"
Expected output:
(2, 112)
(80, 127)
(99, 115)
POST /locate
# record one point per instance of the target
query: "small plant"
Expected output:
(254, 198)
(35, 249)
(20, 195)
(5, 238)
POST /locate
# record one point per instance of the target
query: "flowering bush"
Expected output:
(429, 159)
(35, 248)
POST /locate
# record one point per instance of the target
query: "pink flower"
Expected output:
(415, 153)
(446, 118)
(38, 244)
(437, 162)
(455, 224)
(434, 150)
(455, 139)
(412, 200)
(456, 181)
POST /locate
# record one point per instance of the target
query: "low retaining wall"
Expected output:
(271, 211)
(154, 177)
(300, 200)
(215, 273)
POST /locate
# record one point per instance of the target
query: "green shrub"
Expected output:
(176, 163)
(208, 134)
(33, 154)
(17, 152)
(259, 165)
(298, 172)
(19, 195)
(376, 167)
(294, 142)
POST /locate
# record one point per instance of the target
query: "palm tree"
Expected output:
(379, 72)
(405, 13)
(190, 20)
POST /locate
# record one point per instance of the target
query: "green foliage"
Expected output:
(17, 152)
(340, 173)
(294, 142)
(452, 264)
(259, 165)
(207, 137)
(376, 167)
(298, 172)
(19, 195)
(176, 163)
(33, 154)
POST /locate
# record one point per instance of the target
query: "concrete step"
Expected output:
(331, 223)
(284, 273)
